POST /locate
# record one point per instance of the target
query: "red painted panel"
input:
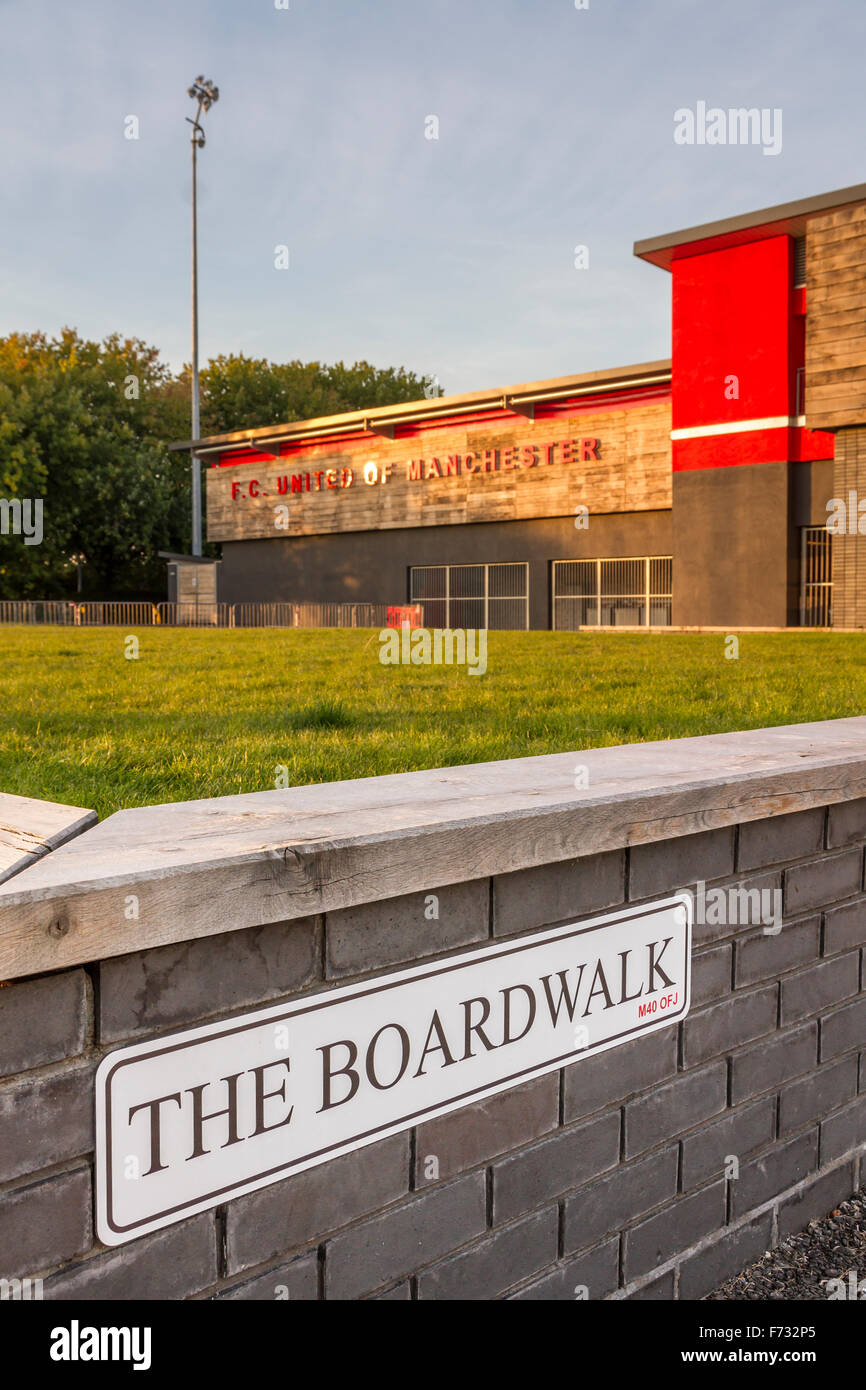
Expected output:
(732, 311)
(753, 446)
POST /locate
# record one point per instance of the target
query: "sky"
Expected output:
(452, 256)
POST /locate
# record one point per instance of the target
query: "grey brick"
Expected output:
(403, 1240)
(44, 1224)
(657, 1290)
(306, 1206)
(824, 984)
(620, 1072)
(821, 1197)
(765, 1177)
(845, 927)
(42, 1020)
(767, 955)
(480, 1132)
(296, 1281)
(596, 1272)
(770, 1063)
(843, 1132)
(843, 1030)
(676, 1107)
(675, 1228)
(737, 1134)
(680, 862)
(711, 974)
(629, 1192)
(398, 1293)
(495, 1264)
(193, 980)
(45, 1118)
(559, 1163)
(781, 838)
(169, 1264)
(811, 1098)
(728, 1025)
(823, 882)
(707, 1269)
(375, 935)
(557, 892)
(846, 823)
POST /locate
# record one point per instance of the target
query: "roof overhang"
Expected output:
(786, 219)
(383, 420)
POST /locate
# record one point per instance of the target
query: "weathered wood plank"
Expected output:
(31, 828)
(836, 279)
(177, 872)
(631, 473)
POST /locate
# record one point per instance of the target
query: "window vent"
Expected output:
(799, 261)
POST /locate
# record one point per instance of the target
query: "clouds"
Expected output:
(452, 255)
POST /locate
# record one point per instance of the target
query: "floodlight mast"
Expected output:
(205, 94)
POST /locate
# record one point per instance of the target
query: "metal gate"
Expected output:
(635, 592)
(816, 577)
(472, 596)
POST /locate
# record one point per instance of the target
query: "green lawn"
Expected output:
(205, 713)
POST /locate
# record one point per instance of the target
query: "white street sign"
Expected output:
(188, 1121)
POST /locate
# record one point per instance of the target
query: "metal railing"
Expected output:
(816, 577)
(479, 595)
(67, 613)
(630, 592)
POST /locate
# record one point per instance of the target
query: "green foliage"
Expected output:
(82, 426)
(85, 426)
(239, 392)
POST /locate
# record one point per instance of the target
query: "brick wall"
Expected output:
(612, 1176)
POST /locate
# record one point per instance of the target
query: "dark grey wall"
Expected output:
(373, 566)
(613, 1171)
(731, 547)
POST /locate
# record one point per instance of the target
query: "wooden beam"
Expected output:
(30, 828)
(178, 872)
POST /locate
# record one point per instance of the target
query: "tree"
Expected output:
(239, 392)
(85, 426)
(80, 429)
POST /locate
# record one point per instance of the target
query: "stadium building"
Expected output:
(690, 491)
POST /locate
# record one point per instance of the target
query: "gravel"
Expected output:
(801, 1265)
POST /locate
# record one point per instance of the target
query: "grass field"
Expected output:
(206, 713)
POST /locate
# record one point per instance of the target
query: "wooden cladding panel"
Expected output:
(836, 319)
(631, 474)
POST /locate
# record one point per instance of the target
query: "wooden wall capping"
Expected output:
(31, 828)
(200, 868)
